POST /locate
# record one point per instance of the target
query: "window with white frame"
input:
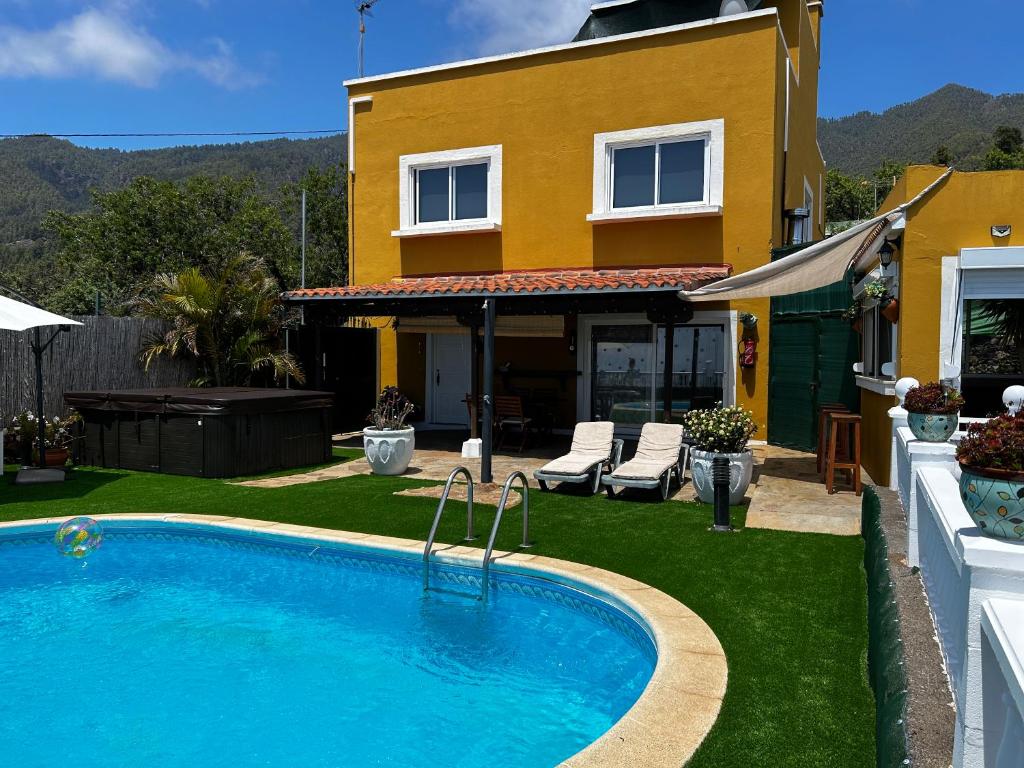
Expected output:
(450, 192)
(661, 172)
(878, 333)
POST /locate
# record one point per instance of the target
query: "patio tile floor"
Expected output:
(786, 494)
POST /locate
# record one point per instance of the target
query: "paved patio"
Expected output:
(786, 493)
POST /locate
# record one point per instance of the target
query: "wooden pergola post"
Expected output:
(474, 378)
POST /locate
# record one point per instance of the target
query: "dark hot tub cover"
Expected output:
(213, 401)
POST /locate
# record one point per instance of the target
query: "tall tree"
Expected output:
(326, 223)
(152, 227)
(847, 198)
(1007, 152)
(228, 318)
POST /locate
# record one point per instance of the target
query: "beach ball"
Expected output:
(78, 537)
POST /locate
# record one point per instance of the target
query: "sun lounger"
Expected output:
(593, 449)
(660, 453)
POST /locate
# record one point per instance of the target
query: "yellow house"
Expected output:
(572, 191)
(957, 270)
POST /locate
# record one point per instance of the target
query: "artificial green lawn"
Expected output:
(789, 608)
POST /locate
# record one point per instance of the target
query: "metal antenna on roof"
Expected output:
(363, 7)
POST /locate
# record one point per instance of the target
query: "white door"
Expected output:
(449, 378)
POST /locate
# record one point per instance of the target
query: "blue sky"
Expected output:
(253, 65)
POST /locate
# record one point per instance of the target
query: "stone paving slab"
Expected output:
(786, 494)
(489, 494)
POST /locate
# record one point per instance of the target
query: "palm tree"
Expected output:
(1008, 317)
(229, 320)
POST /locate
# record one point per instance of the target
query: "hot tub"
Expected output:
(220, 432)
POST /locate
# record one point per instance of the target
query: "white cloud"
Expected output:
(102, 44)
(501, 26)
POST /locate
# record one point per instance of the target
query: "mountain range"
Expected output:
(41, 173)
(960, 118)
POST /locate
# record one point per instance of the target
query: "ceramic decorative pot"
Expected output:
(933, 427)
(389, 451)
(55, 457)
(741, 469)
(891, 311)
(995, 500)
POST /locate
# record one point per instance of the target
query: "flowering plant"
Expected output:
(58, 431)
(995, 444)
(720, 430)
(855, 310)
(934, 397)
(391, 411)
(878, 290)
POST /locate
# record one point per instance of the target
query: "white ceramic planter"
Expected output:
(741, 470)
(389, 451)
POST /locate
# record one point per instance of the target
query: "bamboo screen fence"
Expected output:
(101, 354)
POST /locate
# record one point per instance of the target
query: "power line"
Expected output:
(165, 135)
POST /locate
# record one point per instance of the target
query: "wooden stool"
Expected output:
(823, 427)
(843, 423)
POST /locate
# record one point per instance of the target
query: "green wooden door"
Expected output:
(793, 383)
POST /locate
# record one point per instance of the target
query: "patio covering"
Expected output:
(819, 265)
(533, 283)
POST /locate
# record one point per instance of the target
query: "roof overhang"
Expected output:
(529, 292)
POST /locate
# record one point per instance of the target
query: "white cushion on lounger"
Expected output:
(591, 443)
(658, 450)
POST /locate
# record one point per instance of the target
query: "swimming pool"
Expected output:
(194, 645)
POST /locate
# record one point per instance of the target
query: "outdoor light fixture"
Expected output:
(885, 254)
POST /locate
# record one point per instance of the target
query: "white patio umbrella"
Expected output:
(19, 316)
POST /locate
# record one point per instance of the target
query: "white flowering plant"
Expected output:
(720, 430)
(58, 431)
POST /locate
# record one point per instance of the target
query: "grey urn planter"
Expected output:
(741, 470)
(933, 427)
(389, 451)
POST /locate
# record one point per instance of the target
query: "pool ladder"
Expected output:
(470, 535)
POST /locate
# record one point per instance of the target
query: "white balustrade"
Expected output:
(1002, 679)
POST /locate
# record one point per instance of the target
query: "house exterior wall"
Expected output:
(544, 110)
(957, 215)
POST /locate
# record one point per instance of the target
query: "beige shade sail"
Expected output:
(813, 267)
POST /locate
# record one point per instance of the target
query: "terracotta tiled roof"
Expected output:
(541, 282)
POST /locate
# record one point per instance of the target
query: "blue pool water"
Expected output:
(176, 648)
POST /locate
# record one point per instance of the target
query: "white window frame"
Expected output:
(712, 132)
(1005, 263)
(410, 165)
(875, 380)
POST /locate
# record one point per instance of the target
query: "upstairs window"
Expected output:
(664, 173)
(668, 171)
(450, 192)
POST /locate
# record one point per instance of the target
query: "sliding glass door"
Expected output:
(627, 376)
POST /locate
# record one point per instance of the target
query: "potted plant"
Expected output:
(389, 443)
(889, 304)
(854, 315)
(991, 460)
(720, 432)
(933, 411)
(58, 435)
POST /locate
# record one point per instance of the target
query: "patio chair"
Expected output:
(660, 453)
(593, 449)
(508, 414)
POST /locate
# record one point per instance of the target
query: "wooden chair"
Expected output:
(823, 426)
(508, 413)
(840, 423)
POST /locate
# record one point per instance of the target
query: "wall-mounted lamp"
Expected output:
(887, 251)
(1001, 230)
(748, 320)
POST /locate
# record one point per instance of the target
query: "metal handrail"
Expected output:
(485, 581)
(470, 535)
